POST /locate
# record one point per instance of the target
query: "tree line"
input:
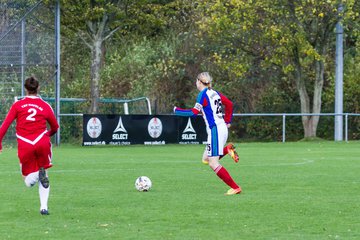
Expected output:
(267, 56)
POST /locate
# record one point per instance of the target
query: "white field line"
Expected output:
(304, 162)
(51, 171)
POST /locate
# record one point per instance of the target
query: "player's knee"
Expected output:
(29, 183)
(31, 179)
(213, 162)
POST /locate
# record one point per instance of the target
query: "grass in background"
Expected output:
(302, 190)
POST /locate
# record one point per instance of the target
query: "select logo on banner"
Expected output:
(114, 129)
(94, 127)
(120, 132)
(155, 127)
(189, 133)
(192, 131)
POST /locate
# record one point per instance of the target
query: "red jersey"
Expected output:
(31, 114)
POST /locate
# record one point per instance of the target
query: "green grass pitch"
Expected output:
(302, 190)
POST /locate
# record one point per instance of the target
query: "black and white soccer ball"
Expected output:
(143, 184)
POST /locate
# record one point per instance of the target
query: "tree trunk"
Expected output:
(310, 123)
(318, 86)
(304, 97)
(96, 52)
(3, 20)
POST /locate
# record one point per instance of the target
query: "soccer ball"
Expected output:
(143, 184)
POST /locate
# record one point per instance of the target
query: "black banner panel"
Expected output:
(101, 129)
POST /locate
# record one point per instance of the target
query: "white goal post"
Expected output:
(125, 102)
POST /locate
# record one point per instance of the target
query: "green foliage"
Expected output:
(293, 36)
(75, 76)
(151, 67)
(248, 46)
(351, 89)
(12, 11)
(352, 83)
(280, 97)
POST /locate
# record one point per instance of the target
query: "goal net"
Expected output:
(27, 47)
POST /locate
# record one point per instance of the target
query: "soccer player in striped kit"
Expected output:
(34, 146)
(210, 103)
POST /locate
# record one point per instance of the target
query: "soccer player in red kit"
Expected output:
(34, 146)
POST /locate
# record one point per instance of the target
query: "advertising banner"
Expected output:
(101, 129)
(191, 130)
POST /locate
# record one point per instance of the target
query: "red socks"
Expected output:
(225, 152)
(224, 175)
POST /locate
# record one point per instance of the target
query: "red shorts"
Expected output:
(34, 156)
